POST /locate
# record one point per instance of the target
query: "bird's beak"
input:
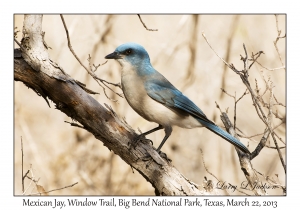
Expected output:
(114, 55)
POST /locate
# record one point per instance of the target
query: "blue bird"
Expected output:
(153, 97)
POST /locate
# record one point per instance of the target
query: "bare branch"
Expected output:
(75, 124)
(22, 165)
(31, 181)
(277, 39)
(206, 169)
(270, 69)
(245, 93)
(244, 76)
(90, 71)
(214, 50)
(145, 25)
(244, 158)
(272, 182)
(261, 144)
(278, 103)
(46, 192)
(274, 147)
(235, 102)
(255, 57)
(231, 37)
(223, 90)
(249, 137)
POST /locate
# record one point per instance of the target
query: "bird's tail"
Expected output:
(220, 132)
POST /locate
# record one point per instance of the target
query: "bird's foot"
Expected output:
(139, 138)
(152, 156)
(164, 156)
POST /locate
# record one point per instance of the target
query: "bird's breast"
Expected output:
(134, 90)
(137, 97)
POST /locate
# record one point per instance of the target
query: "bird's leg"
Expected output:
(153, 130)
(142, 136)
(168, 131)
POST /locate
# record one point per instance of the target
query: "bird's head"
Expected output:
(130, 54)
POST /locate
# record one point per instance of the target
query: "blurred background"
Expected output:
(61, 155)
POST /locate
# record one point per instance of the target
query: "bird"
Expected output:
(154, 98)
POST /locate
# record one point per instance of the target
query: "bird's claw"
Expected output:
(138, 138)
(146, 157)
(149, 158)
(164, 156)
(146, 141)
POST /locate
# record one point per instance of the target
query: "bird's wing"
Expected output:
(169, 96)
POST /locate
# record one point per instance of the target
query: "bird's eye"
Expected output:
(128, 52)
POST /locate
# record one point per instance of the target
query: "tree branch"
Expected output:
(244, 158)
(244, 77)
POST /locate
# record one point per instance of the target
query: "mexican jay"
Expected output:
(153, 97)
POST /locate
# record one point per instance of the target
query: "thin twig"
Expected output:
(261, 144)
(245, 60)
(272, 69)
(75, 124)
(31, 181)
(145, 24)
(235, 102)
(234, 117)
(57, 189)
(277, 38)
(253, 58)
(260, 97)
(278, 103)
(214, 50)
(272, 181)
(123, 181)
(279, 138)
(206, 169)
(245, 93)
(231, 37)
(69, 43)
(90, 71)
(274, 147)
(22, 165)
(248, 137)
(227, 93)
